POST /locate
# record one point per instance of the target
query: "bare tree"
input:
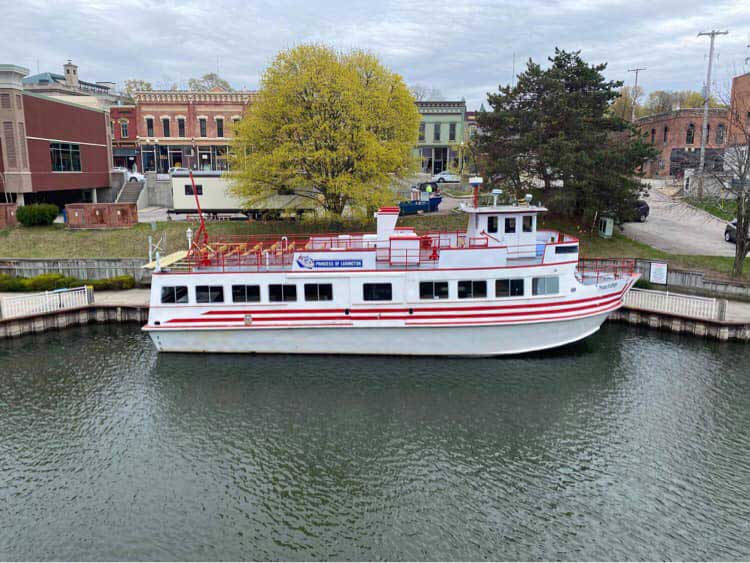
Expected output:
(423, 93)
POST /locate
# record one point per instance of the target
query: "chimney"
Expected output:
(71, 75)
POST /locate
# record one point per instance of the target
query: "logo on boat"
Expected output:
(308, 263)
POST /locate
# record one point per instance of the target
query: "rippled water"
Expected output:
(631, 445)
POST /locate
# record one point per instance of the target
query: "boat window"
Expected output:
(172, 294)
(509, 288)
(566, 249)
(278, 292)
(528, 224)
(510, 224)
(472, 289)
(545, 286)
(245, 293)
(492, 224)
(209, 294)
(377, 292)
(318, 292)
(433, 290)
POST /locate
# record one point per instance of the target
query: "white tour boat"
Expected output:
(499, 287)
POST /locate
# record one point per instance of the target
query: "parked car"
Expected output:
(446, 176)
(730, 232)
(130, 176)
(639, 212)
(180, 169)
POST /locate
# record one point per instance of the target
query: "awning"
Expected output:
(124, 152)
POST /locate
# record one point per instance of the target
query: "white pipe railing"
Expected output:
(47, 302)
(674, 303)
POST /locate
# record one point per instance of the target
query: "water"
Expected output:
(631, 445)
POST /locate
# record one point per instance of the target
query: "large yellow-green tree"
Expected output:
(333, 126)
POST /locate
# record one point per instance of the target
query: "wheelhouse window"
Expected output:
(433, 290)
(278, 292)
(570, 249)
(219, 127)
(492, 224)
(528, 224)
(189, 189)
(66, 157)
(472, 289)
(318, 292)
(165, 126)
(203, 130)
(149, 127)
(209, 294)
(377, 292)
(174, 294)
(545, 286)
(510, 224)
(509, 288)
(180, 127)
(245, 293)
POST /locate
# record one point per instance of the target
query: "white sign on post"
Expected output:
(658, 273)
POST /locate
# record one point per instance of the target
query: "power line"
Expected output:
(707, 93)
(635, 90)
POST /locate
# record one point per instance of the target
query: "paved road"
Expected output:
(678, 228)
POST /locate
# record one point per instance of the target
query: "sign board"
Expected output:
(658, 273)
(475, 180)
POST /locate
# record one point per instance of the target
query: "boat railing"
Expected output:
(597, 270)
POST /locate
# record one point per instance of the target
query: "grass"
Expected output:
(723, 209)
(57, 242)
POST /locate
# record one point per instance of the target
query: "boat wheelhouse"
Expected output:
(501, 286)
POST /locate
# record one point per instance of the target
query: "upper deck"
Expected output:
(496, 237)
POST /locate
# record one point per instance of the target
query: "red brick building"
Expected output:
(124, 133)
(739, 125)
(50, 150)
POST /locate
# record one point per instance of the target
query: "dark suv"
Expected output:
(730, 232)
(640, 211)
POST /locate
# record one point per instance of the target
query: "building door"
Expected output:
(440, 161)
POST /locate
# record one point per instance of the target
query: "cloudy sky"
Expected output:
(463, 48)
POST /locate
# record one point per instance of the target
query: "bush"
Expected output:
(37, 214)
(49, 282)
(643, 283)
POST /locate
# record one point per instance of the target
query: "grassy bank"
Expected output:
(723, 209)
(57, 242)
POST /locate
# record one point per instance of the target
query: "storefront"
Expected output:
(126, 157)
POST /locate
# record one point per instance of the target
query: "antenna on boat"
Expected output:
(202, 232)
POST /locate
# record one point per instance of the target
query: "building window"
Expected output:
(509, 288)
(708, 132)
(112, 128)
(149, 127)
(165, 127)
(472, 289)
(177, 294)
(653, 136)
(528, 223)
(245, 293)
(421, 132)
(433, 290)
(666, 134)
(189, 189)
(202, 123)
(66, 157)
(124, 129)
(278, 292)
(180, 126)
(492, 224)
(219, 127)
(318, 292)
(4, 101)
(377, 292)
(452, 132)
(10, 144)
(545, 286)
(436, 131)
(510, 225)
(209, 294)
(690, 135)
(720, 134)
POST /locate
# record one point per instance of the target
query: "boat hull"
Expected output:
(474, 340)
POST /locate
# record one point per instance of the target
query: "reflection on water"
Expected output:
(630, 445)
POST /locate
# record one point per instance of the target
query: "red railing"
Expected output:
(601, 269)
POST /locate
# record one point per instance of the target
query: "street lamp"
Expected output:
(189, 235)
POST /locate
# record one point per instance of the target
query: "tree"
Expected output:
(334, 126)
(660, 101)
(622, 106)
(423, 93)
(134, 85)
(208, 82)
(554, 126)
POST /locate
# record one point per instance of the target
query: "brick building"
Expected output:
(124, 133)
(677, 136)
(185, 129)
(739, 125)
(50, 149)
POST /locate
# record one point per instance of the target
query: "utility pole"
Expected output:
(707, 97)
(635, 91)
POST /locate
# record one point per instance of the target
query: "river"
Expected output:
(631, 445)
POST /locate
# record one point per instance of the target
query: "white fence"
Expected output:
(47, 302)
(674, 303)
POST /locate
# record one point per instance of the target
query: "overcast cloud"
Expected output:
(464, 48)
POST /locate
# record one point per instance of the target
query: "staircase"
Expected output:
(130, 192)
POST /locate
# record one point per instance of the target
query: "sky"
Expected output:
(462, 48)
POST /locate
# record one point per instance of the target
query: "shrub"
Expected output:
(643, 283)
(49, 282)
(116, 283)
(37, 214)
